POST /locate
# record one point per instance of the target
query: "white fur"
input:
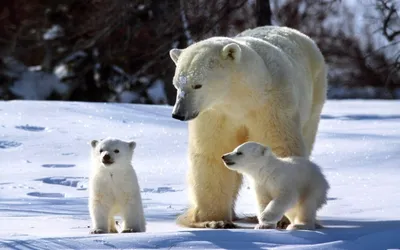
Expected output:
(266, 84)
(291, 186)
(114, 188)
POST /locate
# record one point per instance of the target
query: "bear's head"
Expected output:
(246, 156)
(203, 75)
(112, 152)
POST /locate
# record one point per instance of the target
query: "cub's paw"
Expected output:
(265, 226)
(220, 225)
(300, 227)
(129, 230)
(283, 223)
(98, 231)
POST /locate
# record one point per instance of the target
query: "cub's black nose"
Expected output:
(223, 157)
(106, 157)
(178, 117)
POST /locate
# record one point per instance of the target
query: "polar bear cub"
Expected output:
(292, 186)
(114, 188)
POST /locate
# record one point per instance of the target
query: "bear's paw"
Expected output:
(97, 231)
(220, 224)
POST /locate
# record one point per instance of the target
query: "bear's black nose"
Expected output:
(106, 157)
(178, 117)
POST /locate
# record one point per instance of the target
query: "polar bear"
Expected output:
(292, 186)
(267, 84)
(114, 188)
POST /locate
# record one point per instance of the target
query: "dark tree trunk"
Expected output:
(263, 12)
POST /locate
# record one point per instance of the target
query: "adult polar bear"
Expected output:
(268, 85)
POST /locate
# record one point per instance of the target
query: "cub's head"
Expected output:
(246, 156)
(203, 75)
(112, 152)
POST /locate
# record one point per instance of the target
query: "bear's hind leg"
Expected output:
(310, 129)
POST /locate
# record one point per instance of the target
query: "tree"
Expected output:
(108, 50)
(389, 15)
(263, 12)
(360, 63)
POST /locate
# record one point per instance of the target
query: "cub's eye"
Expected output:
(239, 153)
(197, 86)
(116, 151)
(101, 151)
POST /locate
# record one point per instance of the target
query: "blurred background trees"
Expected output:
(117, 50)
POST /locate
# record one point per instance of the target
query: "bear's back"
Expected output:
(297, 47)
(282, 37)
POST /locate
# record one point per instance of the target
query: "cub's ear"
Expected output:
(232, 52)
(174, 54)
(94, 143)
(132, 145)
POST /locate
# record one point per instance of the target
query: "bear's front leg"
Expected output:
(211, 190)
(212, 187)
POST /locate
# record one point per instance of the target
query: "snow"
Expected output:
(78, 55)
(44, 148)
(37, 85)
(54, 32)
(156, 92)
(30, 82)
(61, 71)
(128, 96)
(181, 94)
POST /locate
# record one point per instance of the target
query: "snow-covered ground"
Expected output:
(44, 152)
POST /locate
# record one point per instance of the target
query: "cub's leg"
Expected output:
(275, 210)
(100, 218)
(306, 216)
(133, 218)
(111, 224)
(280, 129)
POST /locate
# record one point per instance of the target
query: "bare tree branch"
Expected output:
(389, 14)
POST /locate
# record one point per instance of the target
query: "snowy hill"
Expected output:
(44, 148)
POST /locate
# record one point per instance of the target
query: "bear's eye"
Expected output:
(101, 151)
(239, 153)
(197, 86)
(116, 151)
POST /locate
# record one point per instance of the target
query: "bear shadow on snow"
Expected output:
(350, 234)
(361, 117)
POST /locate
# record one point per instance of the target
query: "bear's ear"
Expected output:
(174, 54)
(232, 51)
(132, 145)
(94, 143)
